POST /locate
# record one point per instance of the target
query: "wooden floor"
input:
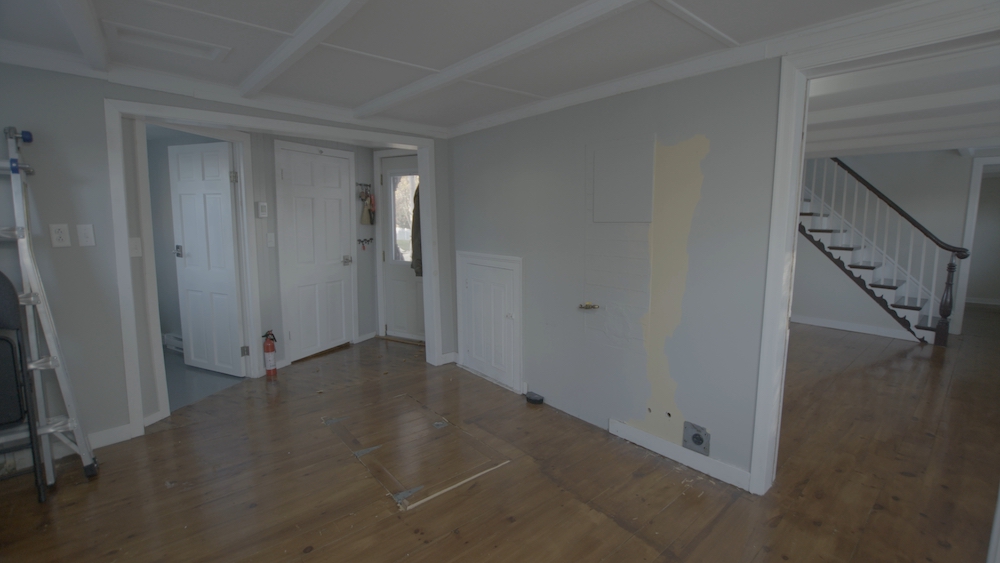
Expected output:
(888, 453)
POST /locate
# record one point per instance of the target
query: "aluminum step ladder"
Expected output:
(66, 428)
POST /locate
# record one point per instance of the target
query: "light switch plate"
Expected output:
(261, 209)
(85, 235)
(270, 240)
(59, 233)
(134, 247)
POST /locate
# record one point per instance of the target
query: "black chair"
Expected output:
(17, 388)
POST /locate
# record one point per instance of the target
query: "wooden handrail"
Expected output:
(959, 252)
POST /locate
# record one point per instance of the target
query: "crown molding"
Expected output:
(59, 61)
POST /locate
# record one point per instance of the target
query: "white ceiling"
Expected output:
(444, 67)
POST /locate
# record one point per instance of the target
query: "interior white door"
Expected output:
(314, 247)
(402, 288)
(488, 327)
(207, 278)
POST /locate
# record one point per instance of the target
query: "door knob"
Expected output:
(348, 260)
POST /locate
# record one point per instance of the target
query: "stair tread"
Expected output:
(835, 247)
(813, 214)
(865, 265)
(827, 231)
(887, 283)
(911, 303)
(924, 324)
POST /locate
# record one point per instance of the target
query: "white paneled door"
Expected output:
(314, 247)
(207, 282)
(489, 310)
(402, 288)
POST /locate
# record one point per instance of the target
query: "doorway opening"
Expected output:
(398, 256)
(193, 185)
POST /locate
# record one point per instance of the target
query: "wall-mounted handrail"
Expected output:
(960, 253)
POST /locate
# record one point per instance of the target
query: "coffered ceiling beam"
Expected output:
(545, 32)
(983, 95)
(83, 22)
(330, 15)
(694, 21)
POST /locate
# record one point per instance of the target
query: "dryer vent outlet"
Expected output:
(696, 438)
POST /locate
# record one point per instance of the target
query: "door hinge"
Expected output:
(244, 351)
(383, 256)
(381, 182)
(234, 176)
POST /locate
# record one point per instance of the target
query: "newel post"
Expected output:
(941, 330)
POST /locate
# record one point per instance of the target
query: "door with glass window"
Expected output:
(402, 289)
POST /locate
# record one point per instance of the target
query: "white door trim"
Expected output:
(792, 100)
(352, 196)
(115, 110)
(965, 266)
(463, 261)
(379, 245)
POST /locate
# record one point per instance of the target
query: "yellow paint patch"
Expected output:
(677, 189)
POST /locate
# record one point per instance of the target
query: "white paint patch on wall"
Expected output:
(678, 181)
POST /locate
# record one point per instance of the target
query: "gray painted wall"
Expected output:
(519, 190)
(984, 273)
(931, 186)
(66, 114)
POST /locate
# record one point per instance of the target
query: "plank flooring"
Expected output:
(888, 453)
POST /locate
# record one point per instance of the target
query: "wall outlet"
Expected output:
(261, 209)
(85, 235)
(696, 438)
(60, 235)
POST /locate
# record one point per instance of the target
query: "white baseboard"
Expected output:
(449, 358)
(364, 337)
(853, 327)
(711, 467)
(109, 436)
(982, 301)
(155, 417)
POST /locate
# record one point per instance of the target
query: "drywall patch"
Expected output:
(677, 189)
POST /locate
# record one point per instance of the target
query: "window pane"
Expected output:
(402, 215)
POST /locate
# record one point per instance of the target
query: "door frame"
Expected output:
(245, 252)
(116, 110)
(379, 244)
(463, 260)
(968, 237)
(352, 196)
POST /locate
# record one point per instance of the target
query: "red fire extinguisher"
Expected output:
(269, 364)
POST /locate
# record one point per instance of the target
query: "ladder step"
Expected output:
(910, 303)
(48, 362)
(865, 265)
(11, 233)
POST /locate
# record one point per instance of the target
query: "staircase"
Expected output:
(894, 259)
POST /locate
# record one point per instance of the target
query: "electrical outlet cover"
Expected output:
(59, 233)
(696, 438)
(85, 235)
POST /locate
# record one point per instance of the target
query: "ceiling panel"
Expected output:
(642, 38)
(932, 84)
(747, 21)
(37, 23)
(247, 46)
(284, 15)
(332, 76)
(438, 33)
(455, 104)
